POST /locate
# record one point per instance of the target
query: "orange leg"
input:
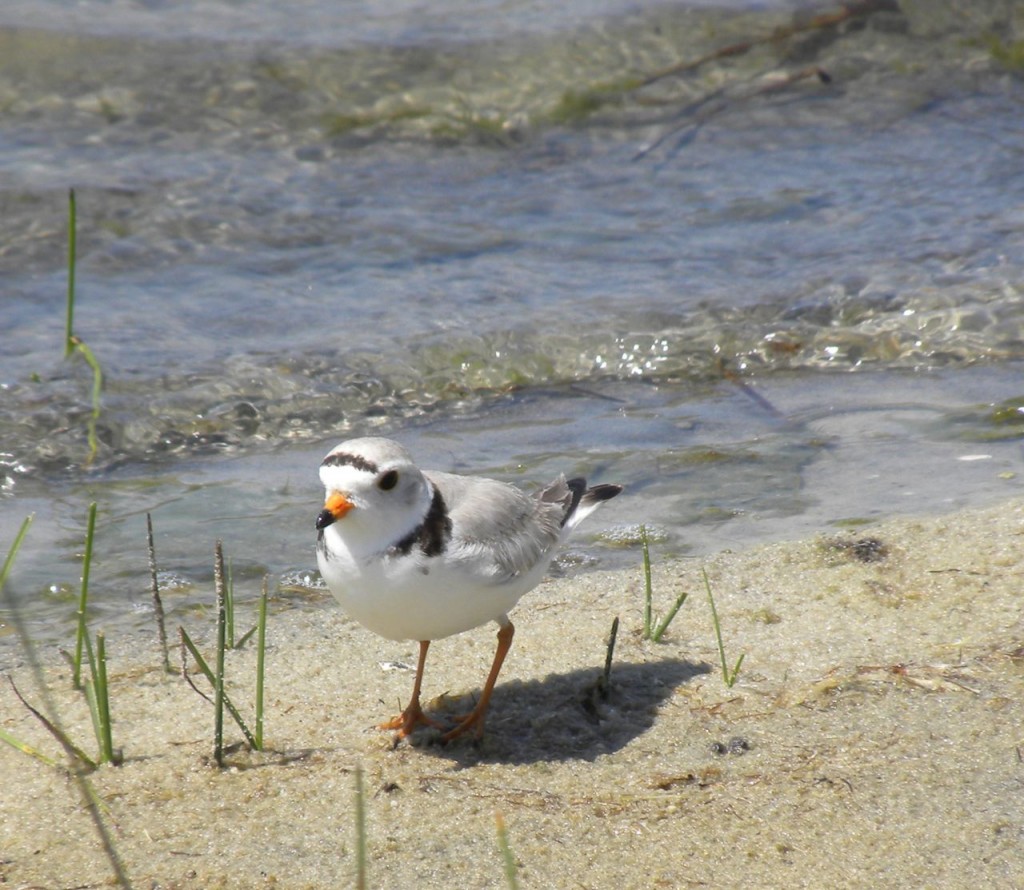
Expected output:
(475, 719)
(413, 715)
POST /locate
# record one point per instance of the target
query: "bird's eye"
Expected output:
(388, 481)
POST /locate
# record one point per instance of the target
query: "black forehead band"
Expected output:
(341, 459)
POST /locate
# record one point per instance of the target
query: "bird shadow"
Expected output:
(571, 716)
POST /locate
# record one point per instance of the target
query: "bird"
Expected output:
(420, 555)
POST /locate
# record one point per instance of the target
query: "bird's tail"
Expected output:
(586, 500)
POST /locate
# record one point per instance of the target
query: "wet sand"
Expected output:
(874, 738)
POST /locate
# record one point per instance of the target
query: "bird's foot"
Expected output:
(473, 721)
(409, 719)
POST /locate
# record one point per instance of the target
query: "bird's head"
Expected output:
(372, 488)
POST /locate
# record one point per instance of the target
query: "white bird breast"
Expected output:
(412, 597)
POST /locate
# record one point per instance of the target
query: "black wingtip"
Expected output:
(603, 492)
(578, 487)
(581, 494)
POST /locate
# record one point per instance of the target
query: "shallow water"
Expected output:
(767, 308)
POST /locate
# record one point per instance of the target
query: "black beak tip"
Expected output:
(324, 519)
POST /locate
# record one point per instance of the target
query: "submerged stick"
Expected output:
(850, 10)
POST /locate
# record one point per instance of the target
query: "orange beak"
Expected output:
(336, 506)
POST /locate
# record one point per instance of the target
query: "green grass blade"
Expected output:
(91, 697)
(69, 321)
(736, 670)
(248, 635)
(261, 645)
(659, 631)
(728, 677)
(188, 646)
(26, 749)
(97, 390)
(94, 713)
(83, 598)
(650, 632)
(15, 547)
(92, 801)
(73, 343)
(648, 589)
(507, 857)
(205, 669)
(103, 700)
(718, 627)
(70, 748)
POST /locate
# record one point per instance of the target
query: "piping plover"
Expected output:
(420, 555)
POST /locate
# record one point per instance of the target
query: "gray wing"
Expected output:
(497, 529)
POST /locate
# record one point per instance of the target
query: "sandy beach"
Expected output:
(874, 737)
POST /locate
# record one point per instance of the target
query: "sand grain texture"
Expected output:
(875, 738)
